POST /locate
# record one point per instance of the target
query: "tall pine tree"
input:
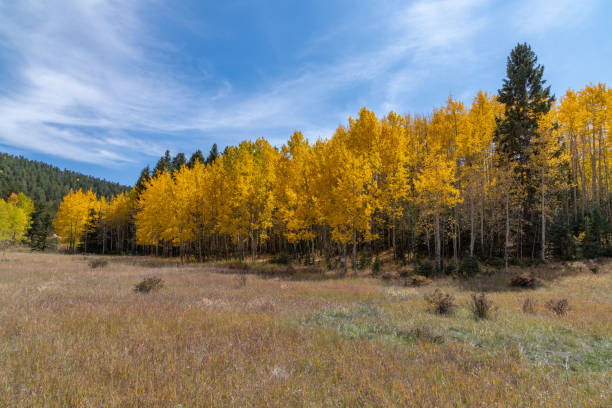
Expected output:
(526, 99)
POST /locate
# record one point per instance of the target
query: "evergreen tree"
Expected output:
(212, 155)
(164, 164)
(596, 229)
(525, 100)
(145, 176)
(41, 227)
(196, 157)
(91, 239)
(179, 161)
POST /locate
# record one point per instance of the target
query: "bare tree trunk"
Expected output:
(354, 251)
(472, 235)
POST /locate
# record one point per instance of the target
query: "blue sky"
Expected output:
(105, 87)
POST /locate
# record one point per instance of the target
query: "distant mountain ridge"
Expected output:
(45, 183)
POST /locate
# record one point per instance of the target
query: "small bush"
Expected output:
(274, 271)
(282, 259)
(529, 305)
(405, 273)
(441, 302)
(559, 306)
(331, 263)
(148, 285)
(524, 280)
(426, 334)
(450, 269)
(469, 266)
(387, 276)
(241, 266)
(365, 260)
(417, 280)
(481, 306)
(97, 263)
(401, 256)
(425, 268)
(376, 266)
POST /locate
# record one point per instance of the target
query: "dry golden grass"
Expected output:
(76, 336)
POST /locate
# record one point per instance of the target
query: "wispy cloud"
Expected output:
(90, 84)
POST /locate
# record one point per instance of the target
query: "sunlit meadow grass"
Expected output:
(76, 336)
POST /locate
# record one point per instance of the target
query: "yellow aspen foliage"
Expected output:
(15, 218)
(73, 214)
(295, 192)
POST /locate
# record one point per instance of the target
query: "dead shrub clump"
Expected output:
(387, 276)
(425, 334)
(442, 303)
(481, 306)
(149, 285)
(560, 307)
(529, 305)
(97, 263)
(524, 280)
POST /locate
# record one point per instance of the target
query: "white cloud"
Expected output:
(88, 85)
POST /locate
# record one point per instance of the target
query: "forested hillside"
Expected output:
(45, 183)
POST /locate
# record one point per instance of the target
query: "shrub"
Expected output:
(387, 276)
(401, 255)
(148, 285)
(524, 280)
(241, 266)
(404, 273)
(559, 306)
(97, 263)
(376, 266)
(425, 268)
(425, 333)
(529, 305)
(331, 263)
(449, 269)
(417, 280)
(441, 302)
(365, 259)
(481, 306)
(282, 259)
(469, 266)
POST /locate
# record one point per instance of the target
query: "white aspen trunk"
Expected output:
(472, 234)
(355, 252)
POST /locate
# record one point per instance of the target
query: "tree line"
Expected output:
(512, 176)
(15, 218)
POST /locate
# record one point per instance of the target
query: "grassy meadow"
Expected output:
(72, 335)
